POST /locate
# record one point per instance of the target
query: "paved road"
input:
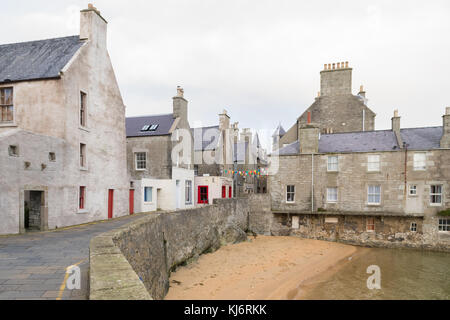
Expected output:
(33, 265)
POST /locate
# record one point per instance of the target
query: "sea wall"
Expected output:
(135, 261)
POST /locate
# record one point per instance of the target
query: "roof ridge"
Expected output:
(151, 115)
(420, 128)
(31, 41)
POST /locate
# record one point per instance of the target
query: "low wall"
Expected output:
(135, 261)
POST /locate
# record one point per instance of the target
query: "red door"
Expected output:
(131, 201)
(224, 192)
(203, 194)
(110, 203)
(230, 193)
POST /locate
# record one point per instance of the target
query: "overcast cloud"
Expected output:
(259, 59)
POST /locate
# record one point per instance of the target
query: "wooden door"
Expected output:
(110, 203)
(131, 201)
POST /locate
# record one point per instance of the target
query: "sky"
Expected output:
(260, 60)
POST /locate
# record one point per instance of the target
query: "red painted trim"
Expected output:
(199, 194)
(110, 203)
(230, 192)
(131, 201)
(224, 192)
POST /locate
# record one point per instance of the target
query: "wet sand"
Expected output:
(263, 268)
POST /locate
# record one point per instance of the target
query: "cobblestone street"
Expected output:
(33, 265)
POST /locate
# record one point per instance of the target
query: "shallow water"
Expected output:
(405, 274)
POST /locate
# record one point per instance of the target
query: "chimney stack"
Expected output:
(93, 26)
(336, 79)
(362, 93)
(396, 128)
(224, 120)
(445, 140)
(308, 136)
(180, 108)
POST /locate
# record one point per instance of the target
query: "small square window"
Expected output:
(13, 151)
(444, 224)
(413, 227)
(413, 190)
(51, 156)
(141, 160)
(148, 194)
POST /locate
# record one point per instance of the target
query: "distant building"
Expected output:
(62, 132)
(384, 187)
(162, 180)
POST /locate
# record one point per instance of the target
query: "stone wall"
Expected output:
(156, 244)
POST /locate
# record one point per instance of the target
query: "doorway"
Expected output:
(131, 201)
(34, 211)
(110, 203)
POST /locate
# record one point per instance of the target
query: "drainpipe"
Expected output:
(364, 120)
(312, 182)
(405, 146)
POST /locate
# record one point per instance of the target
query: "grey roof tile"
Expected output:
(427, 138)
(42, 59)
(135, 124)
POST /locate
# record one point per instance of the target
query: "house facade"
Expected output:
(384, 187)
(62, 127)
(160, 159)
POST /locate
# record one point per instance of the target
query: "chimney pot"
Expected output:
(334, 66)
(346, 64)
(395, 113)
(325, 66)
(447, 111)
(180, 91)
(338, 65)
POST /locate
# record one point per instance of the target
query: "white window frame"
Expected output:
(329, 193)
(413, 227)
(444, 225)
(140, 160)
(188, 191)
(373, 166)
(290, 192)
(436, 194)
(369, 194)
(331, 164)
(420, 164)
(151, 194)
(412, 187)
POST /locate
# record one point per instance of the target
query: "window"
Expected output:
(141, 160)
(82, 155)
(436, 194)
(148, 194)
(413, 227)
(374, 195)
(290, 194)
(332, 195)
(332, 163)
(82, 197)
(420, 161)
(83, 109)
(145, 128)
(6, 105)
(444, 224)
(224, 191)
(413, 190)
(370, 224)
(373, 162)
(196, 170)
(230, 192)
(51, 156)
(188, 190)
(153, 127)
(202, 194)
(13, 151)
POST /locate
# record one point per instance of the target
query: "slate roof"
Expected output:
(426, 138)
(42, 59)
(135, 124)
(279, 131)
(210, 138)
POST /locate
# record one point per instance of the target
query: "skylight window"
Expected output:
(150, 127)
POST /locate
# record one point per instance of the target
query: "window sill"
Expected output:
(84, 129)
(332, 171)
(419, 169)
(82, 211)
(290, 202)
(83, 169)
(141, 169)
(8, 124)
(332, 202)
(374, 171)
(373, 204)
(435, 204)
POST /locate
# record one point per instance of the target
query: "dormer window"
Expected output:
(6, 105)
(145, 128)
(150, 127)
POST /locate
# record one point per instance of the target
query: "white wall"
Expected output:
(214, 184)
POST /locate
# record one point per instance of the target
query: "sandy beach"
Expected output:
(263, 268)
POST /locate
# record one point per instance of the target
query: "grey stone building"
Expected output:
(376, 187)
(62, 131)
(335, 108)
(160, 159)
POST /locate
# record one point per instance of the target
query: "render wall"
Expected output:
(156, 244)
